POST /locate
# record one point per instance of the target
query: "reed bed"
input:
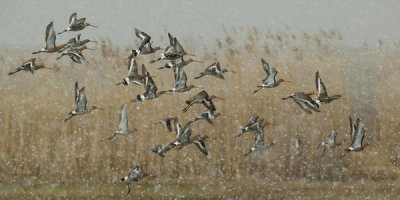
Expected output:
(36, 147)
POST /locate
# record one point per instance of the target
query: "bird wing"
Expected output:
(302, 105)
(320, 86)
(123, 118)
(178, 46)
(272, 74)
(259, 138)
(76, 92)
(50, 36)
(201, 146)
(177, 127)
(180, 78)
(307, 100)
(151, 88)
(360, 136)
(72, 19)
(265, 67)
(144, 37)
(352, 130)
(187, 131)
(171, 40)
(132, 67)
(82, 100)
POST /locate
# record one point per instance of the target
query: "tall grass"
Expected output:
(37, 147)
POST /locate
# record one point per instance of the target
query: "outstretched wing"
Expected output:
(72, 19)
(123, 118)
(201, 146)
(50, 36)
(82, 100)
(322, 93)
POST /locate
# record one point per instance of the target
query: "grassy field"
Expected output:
(203, 190)
(37, 149)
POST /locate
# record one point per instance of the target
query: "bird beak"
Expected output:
(100, 108)
(187, 54)
(92, 25)
(93, 41)
(231, 71)
(219, 98)
(89, 48)
(287, 81)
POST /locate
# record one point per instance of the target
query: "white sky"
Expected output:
(23, 22)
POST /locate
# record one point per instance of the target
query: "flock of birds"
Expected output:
(174, 54)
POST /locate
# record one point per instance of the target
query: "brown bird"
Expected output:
(50, 41)
(202, 98)
(214, 70)
(76, 24)
(269, 81)
(31, 66)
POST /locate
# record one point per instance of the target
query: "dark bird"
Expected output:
(173, 51)
(76, 24)
(30, 66)
(269, 81)
(180, 81)
(75, 53)
(357, 134)
(208, 115)
(134, 175)
(80, 101)
(258, 140)
(151, 89)
(133, 74)
(304, 101)
(202, 98)
(214, 70)
(323, 97)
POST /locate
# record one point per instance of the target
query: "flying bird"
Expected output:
(80, 101)
(305, 102)
(50, 41)
(214, 70)
(123, 124)
(202, 98)
(323, 97)
(134, 175)
(76, 24)
(75, 53)
(357, 134)
(30, 66)
(269, 81)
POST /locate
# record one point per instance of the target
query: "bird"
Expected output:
(180, 81)
(269, 81)
(133, 74)
(250, 126)
(330, 141)
(304, 101)
(134, 175)
(259, 144)
(202, 98)
(151, 89)
(297, 146)
(214, 70)
(207, 115)
(74, 53)
(145, 44)
(167, 123)
(76, 24)
(357, 134)
(146, 49)
(123, 124)
(50, 41)
(161, 149)
(173, 51)
(30, 65)
(76, 42)
(323, 97)
(179, 63)
(80, 101)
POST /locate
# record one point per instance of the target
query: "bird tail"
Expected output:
(68, 118)
(110, 138)
(286, 97)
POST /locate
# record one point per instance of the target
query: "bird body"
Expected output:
(134, 175)
(50, 41)
(305, 102)
(76, 24)
(269, 81)
(214, 70)
(323, 97)
(123, 124)
(29, 65)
